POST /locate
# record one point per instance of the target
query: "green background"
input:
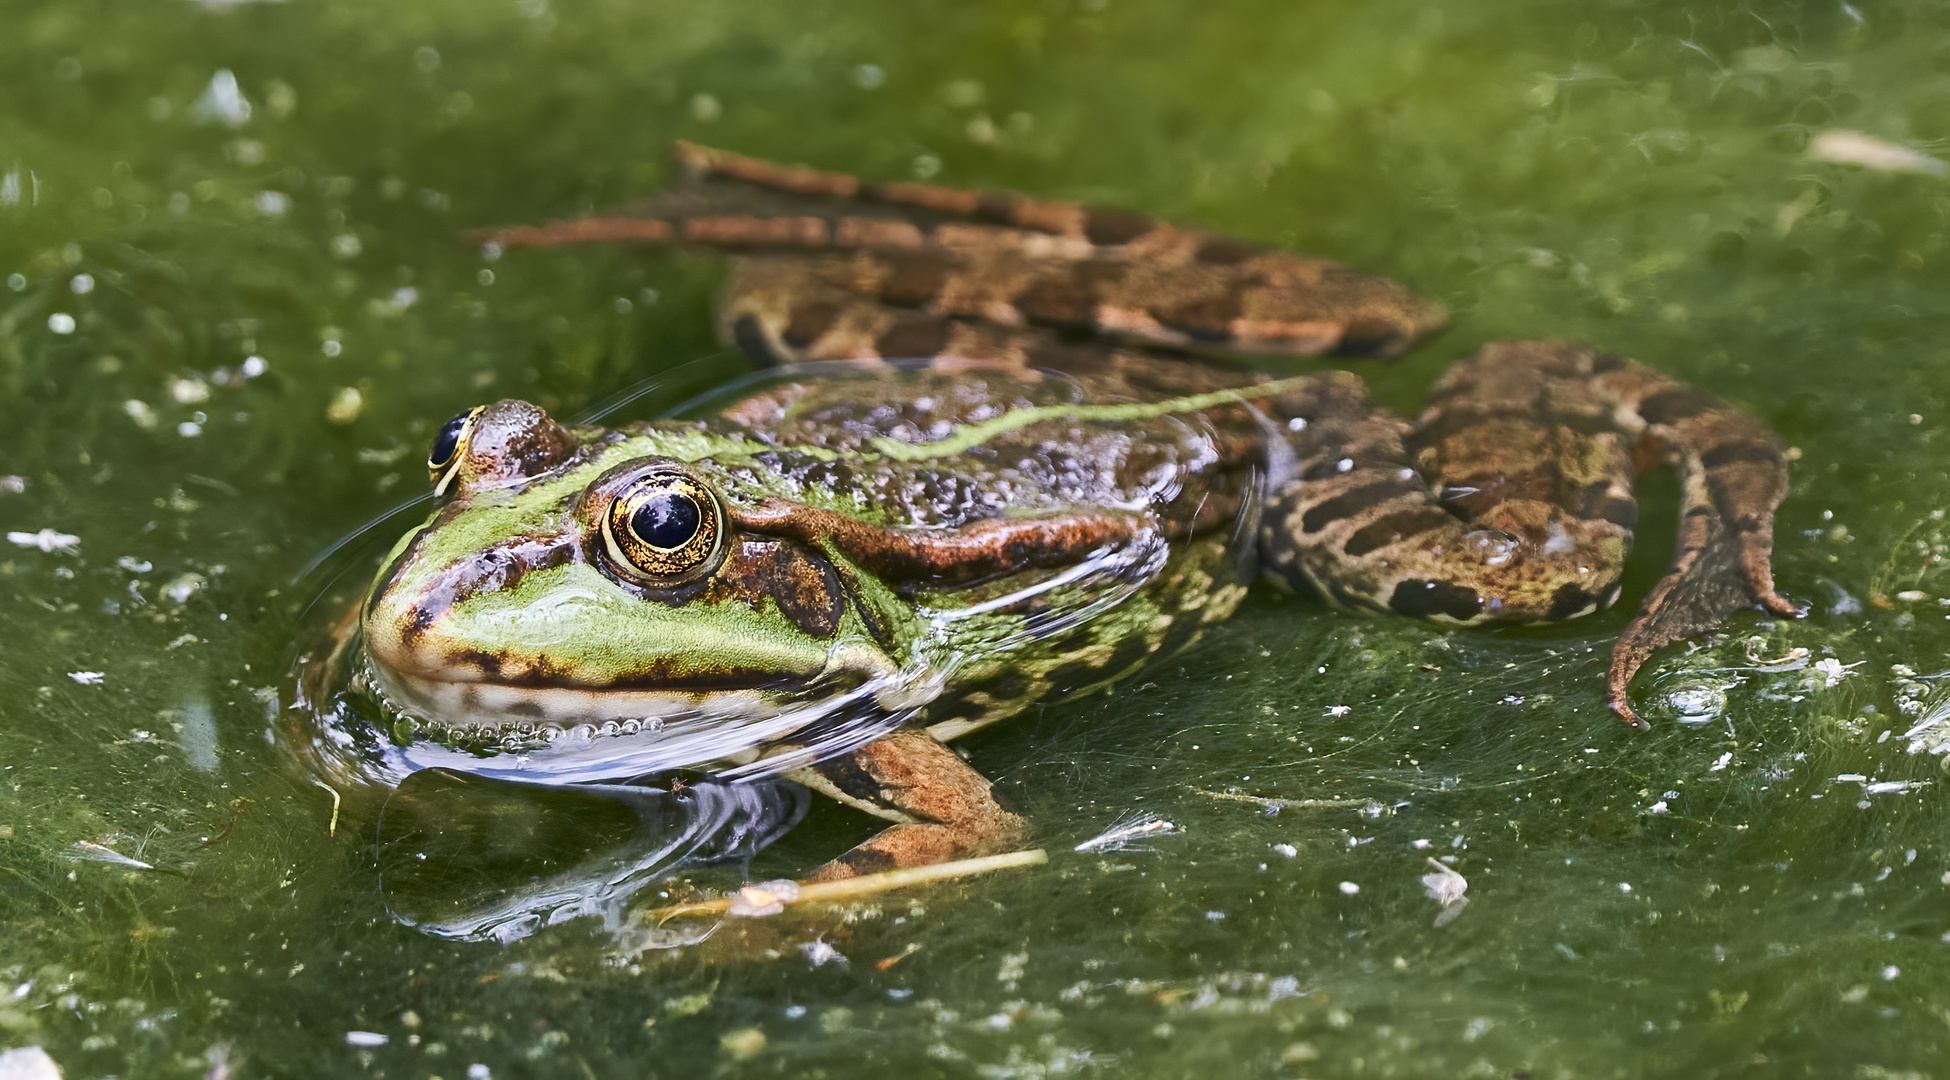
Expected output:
(1712, 898)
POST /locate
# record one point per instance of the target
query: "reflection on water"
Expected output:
(471, 858)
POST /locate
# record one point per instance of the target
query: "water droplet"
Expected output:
(1494, 547)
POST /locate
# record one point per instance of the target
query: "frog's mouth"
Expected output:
(476, 694)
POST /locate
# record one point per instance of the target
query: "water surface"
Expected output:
(237, 310)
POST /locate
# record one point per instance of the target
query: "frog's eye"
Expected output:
(443, 460)
(665, 528)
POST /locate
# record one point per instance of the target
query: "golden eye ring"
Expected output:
(664, 528)
(449, 446)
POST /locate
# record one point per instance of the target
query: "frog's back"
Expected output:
(944, 442)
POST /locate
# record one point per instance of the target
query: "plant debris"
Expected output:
(1124, 834)
(1446, 887)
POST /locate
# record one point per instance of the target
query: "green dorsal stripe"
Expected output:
(972, 435)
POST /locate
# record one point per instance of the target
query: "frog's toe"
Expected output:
(1714, 574)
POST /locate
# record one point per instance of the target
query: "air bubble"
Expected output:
(1494, 547)
(1696, 704)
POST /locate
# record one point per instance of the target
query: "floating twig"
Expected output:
(90, 851)
(1793, 660)
(221, 836)
(850, 888)
(1274, 806)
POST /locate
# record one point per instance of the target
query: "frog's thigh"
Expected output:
(944, 807)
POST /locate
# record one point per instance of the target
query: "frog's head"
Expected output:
(576, 575)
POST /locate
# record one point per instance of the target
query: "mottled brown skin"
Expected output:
(1508, 500)
(949, 809)
(1529, 451)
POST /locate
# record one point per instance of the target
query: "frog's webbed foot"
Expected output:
(943, 808)
(943, 812)
(1707, 582)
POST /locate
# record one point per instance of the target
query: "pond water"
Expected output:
(236, 310)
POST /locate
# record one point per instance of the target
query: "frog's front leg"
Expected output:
(943, 809)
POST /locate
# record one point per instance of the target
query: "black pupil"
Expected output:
(667, 520)
(445, 442)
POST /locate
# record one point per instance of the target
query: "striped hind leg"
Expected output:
(1010, 259)
(1733, 474)
(1510, 500)
(1480, 514)
(1607, 418)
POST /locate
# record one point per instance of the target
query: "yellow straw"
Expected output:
(869, 884)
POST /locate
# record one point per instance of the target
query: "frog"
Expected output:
(1006, 450)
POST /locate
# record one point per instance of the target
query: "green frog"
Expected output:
(988, 468)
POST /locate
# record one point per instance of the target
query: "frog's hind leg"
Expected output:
(943, 809)
(1006, 259)
(1111, 270)
(1476, 528)
(1609, 417)
(1511, 499)
(1733, 474)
